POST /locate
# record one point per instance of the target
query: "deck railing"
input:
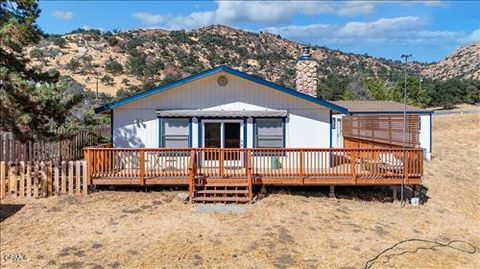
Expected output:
(260, 166)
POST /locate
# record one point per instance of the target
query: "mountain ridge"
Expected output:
(142, 58)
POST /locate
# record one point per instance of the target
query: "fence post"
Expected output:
(36, 171)
(78, 173)
(22, 178)
(141, 159)
(70, 177)
(29, 178)
(88, 167)
(49, 179)
(12, 178)
(43, 180)
(56, 172)
(3, 171)
(85, 177)
(64, 177)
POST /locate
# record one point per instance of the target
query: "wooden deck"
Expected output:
(294, 167)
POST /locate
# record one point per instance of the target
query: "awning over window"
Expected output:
(222, 113)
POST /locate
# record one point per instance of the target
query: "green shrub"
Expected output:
(113, 67)
(36, 54)
(107, 80)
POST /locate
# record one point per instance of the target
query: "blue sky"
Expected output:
(430, 30)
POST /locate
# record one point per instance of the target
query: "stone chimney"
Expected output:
(306, 68)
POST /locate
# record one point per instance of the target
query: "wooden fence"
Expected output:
(383, 129)
(12, 150)
(43, 178)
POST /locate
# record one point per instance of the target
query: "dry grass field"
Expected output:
(293, 228)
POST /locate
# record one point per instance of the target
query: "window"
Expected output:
(176, 133)
(269, 133)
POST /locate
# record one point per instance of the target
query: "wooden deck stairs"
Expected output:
(222, 188)
(221, 191)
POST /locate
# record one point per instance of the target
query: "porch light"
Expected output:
(139, 122)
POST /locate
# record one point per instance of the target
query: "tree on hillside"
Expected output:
(59, 41)
(332, 87)
(356, 90)
(136, 62)
(73, 65)
(36, 54)
(114, 67)
(378, 89)
(32, 105)
(417, 95)
(107, 80)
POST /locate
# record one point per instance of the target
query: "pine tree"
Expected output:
(32, 105)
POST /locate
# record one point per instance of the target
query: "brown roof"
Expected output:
(377, 106)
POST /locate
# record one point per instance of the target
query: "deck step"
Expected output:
(222, 199)
(233, 184)
(223, 192)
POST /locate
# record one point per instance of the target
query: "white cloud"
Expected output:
(356, 8)
(196, 19)
(63, 15)
(383, 26)
(260, 12)
(429, 3)
(473, 37)
(391, 31)
(148, 18)
(266, 13)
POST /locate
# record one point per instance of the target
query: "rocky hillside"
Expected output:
(145, 58)
(463, 63)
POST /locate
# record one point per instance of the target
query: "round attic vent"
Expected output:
(222, 81)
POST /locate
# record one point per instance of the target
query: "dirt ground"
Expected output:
(294, 228)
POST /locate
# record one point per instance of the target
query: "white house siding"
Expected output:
(307, 126)
(426, 135)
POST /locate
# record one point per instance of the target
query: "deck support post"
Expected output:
(263, 189)
(414, 190)
(331, 191)
(395, 193)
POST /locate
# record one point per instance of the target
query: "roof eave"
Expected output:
(389, 112)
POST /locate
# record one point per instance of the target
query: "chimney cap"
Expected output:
(305, 54)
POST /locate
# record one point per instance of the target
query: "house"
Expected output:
(223, 131)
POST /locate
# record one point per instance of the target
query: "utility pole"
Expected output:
(96, 89)
(402, 187)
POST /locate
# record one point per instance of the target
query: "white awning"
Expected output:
(222, 113)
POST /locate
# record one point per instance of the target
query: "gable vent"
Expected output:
(222, 81)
